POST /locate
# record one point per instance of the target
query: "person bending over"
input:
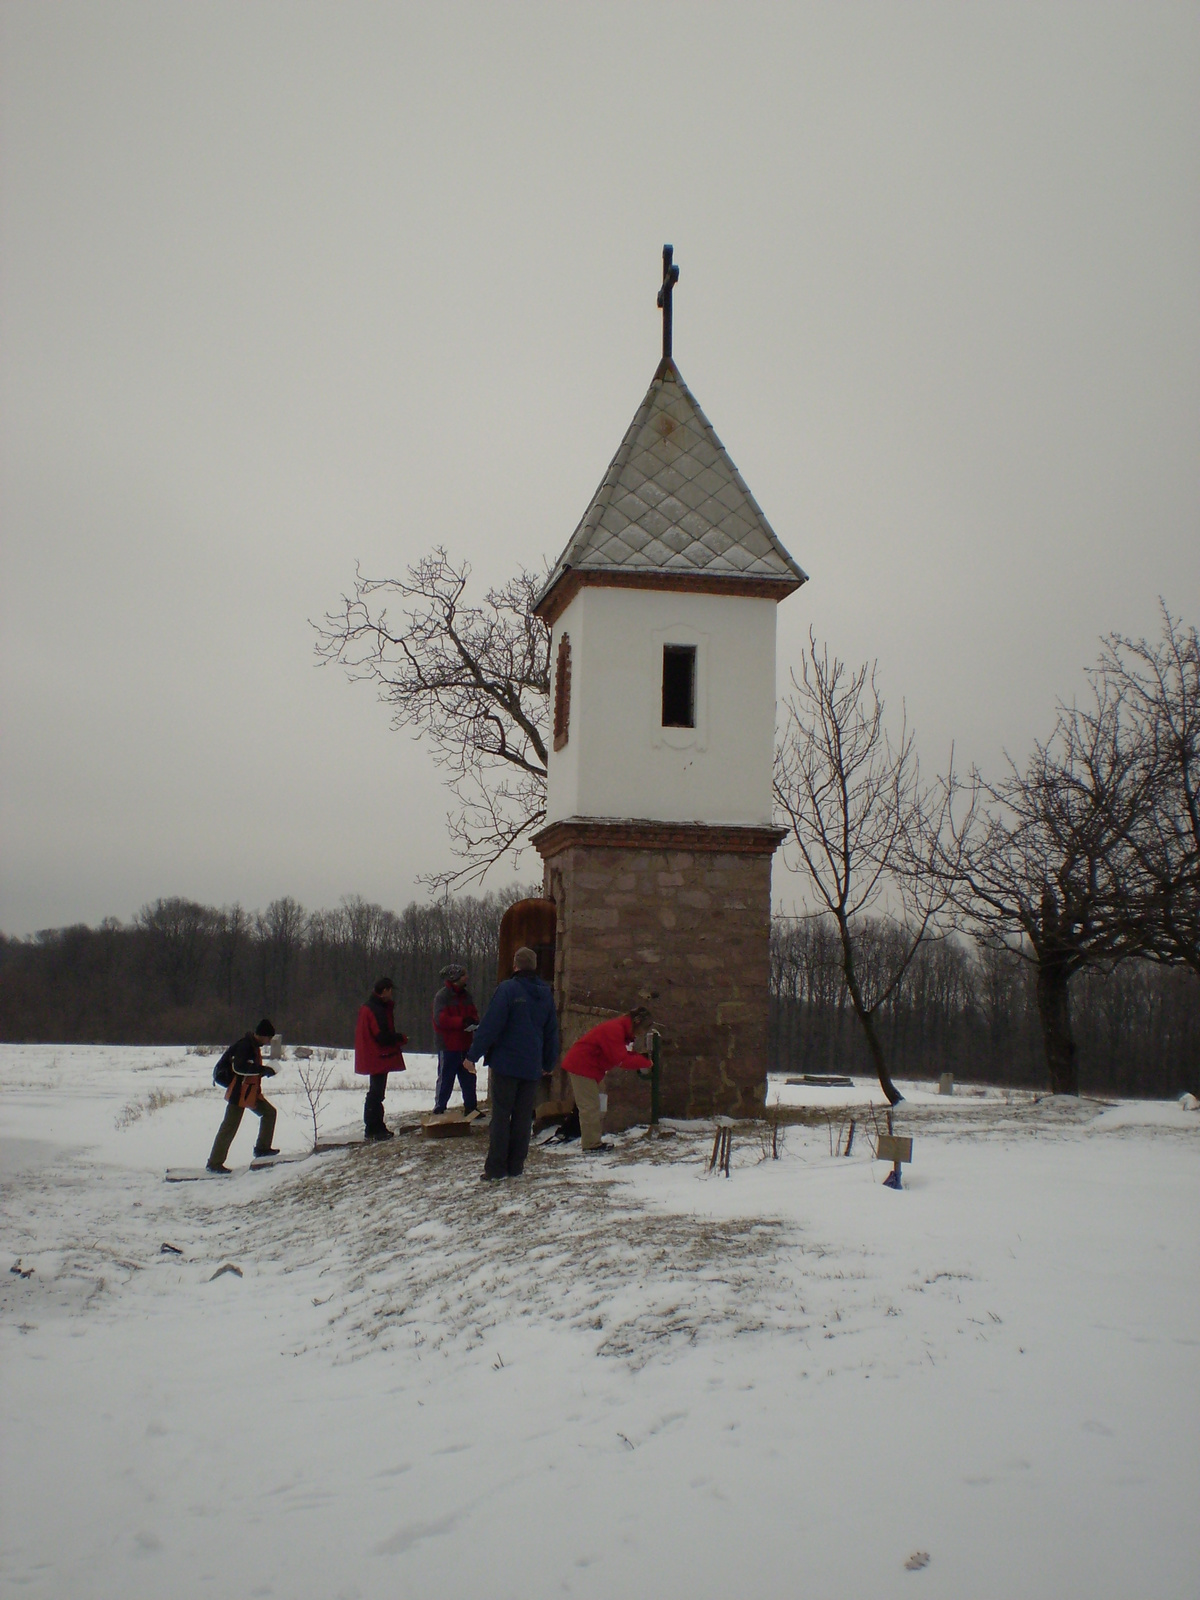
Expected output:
(608, 1045)
(241, 1067)
(376, 1053)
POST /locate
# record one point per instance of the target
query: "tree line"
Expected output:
(971, 1009)
(185, 973)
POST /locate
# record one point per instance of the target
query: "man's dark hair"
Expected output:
(640, 1014)
(383, 983)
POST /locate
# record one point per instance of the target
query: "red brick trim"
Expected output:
(568, 586)
(643, 834)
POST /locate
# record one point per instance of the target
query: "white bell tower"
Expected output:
(658, 836)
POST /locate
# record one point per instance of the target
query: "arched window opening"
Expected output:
(562, 692)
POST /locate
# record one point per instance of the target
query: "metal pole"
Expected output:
(655, 1078)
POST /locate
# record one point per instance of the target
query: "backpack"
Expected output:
(223, 1071)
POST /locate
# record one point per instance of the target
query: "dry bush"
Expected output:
(314, 1080)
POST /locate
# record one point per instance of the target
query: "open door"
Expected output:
(532, 923)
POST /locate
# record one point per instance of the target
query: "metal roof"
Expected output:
(672, 502)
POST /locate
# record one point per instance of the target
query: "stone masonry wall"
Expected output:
(687, 932)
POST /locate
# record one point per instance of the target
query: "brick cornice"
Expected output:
(568, 586)
(637, 833)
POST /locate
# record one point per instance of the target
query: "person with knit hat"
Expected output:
(454, 1021)
(243, 1069)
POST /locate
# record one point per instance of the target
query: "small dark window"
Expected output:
(679, 686)
(562, 692)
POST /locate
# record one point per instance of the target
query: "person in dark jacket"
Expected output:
(244, 1058)
(377, 1051)
(518, 1038)
(590, 1059)
(454, 1021)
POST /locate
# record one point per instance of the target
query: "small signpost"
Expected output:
(896, 1150)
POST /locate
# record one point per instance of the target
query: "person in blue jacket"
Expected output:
(518, 1038)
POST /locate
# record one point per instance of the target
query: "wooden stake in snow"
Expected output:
(722, 1146)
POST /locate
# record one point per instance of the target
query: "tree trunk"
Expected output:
(1054, 1012)
(894, 1096)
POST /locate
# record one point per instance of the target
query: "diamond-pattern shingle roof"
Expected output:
(673, 503)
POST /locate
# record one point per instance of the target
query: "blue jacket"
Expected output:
(518, 1036)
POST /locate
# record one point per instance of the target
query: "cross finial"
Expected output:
(670, 279)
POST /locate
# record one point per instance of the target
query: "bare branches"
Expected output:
(1160, 686)
(866, 831)
(314, 1075)
(1045, 861)
(472, 679)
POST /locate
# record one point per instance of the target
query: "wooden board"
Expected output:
(452, 1125)
(892, 1148)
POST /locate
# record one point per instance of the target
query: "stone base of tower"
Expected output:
(677, 916)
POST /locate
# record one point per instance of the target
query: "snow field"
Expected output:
(615, 1376)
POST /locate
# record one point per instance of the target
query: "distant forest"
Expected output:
(972, 1011)
(184, 973)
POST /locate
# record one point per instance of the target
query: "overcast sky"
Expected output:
(291, 286)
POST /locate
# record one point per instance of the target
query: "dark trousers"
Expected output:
(233, 1121)
(450, 1066)
(512, 1124)
(373, 1106)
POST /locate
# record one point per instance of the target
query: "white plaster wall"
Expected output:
(619, 761)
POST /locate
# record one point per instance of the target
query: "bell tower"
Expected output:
(658, 838)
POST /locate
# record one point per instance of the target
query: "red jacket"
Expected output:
(376, 1042)
(453, 1010)
(602, 1048)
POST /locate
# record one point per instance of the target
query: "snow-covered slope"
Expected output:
(615, 1377)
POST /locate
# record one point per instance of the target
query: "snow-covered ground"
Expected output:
(616, 1377)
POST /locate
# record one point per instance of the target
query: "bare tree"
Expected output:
(1043, 862)
(473, 679)
(865, 831)
(279, 934)
(314, 1077)
(1160, 685)
(177, 931)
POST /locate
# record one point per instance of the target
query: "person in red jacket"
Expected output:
(376, 1053)
(608, 1045)
(454, 1020)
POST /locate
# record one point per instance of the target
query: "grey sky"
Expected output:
(287, 286)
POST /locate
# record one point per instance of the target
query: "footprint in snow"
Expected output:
(918, 1559)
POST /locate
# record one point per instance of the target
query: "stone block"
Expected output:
(594, 918)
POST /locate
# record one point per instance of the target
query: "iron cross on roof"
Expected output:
(670, 279)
